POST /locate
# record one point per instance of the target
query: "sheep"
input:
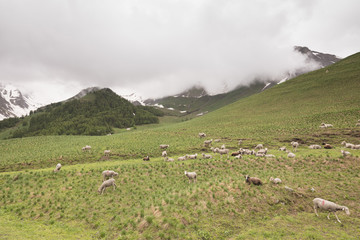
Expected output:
(357, 124)
(236, 153)
(147, 158)
(275, 180)
(328, 146)
(107, 153)
(270, 156)
(325, 125)
(58, 167)
(164, 154)
(345, 153)
(247, 151)
(329, 206)
(259, 146)
(259, 154)
(294, 145)
(193, 156)
(207, 143)
(217, 140)
(315, 146)
(164, 146)
(105, 184)
(239, 142)
(282, 149)
(109, 173)
(222, 146)
(206, 156)
(166, 159)
(191, 176)
(289, 189)
(263, 151)
(355, 146)
(183, 158)
(223, 151)
(238, 157)
(347, 145)
(291, 155)
(201, 135)
(86, 148)
(253, 180)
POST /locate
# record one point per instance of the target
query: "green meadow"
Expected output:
(154, 200)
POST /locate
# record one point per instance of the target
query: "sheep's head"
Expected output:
(346, 209)
(271, 179)
(185, 172)
(247, 178)
(116, 174)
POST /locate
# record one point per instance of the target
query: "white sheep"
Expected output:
(315, 146)
(259, 146)
(259, 154)
(105, 184)
(167, 159)
(239, 142)
(270, 156)
(262, 151)
(329, 206)
(107, 153)
(207, 143)
(347, 145)
(217, 140)
(291, 155)
(191, 176)
(201, 135)
(164, 146)
(275, 180)
(325, 125)
(294, 145)
(357, 124)
(164, 154)
(222, 146)
(86, 148)
(183, 158)
(355, 146)
(206, 156)
(109, 174)
(223, 151)
(345, 153)
(282, 149)
(238, 157)
(58, 167)
(193, 156)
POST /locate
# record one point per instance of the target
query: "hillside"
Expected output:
(155, 200)
(94, 113)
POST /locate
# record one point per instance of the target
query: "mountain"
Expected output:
(14, 104)
(197, 101)
(91, 112)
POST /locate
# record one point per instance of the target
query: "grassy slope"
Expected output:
(154, 199)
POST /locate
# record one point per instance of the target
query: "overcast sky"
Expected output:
(53, 49)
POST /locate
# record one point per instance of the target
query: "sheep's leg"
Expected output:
(316, 211)
(328, 216)
(114, 186)
(102, 190)
(337, 217)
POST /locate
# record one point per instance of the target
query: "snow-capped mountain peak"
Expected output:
(14, 104)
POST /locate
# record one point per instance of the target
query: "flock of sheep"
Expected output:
(258, 151)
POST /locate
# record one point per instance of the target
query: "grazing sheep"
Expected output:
(355, 146)
(217, 140)
(207, 143)
(164, 146)
(259, 154)
(357, 124)
(294, 145)
(183, 158)
(253, 180)
(262, 151)
(107, 153)
(86, 148)
(270, 156)
(58, 167)
(191, 176)
(166, 159)
(247, 151)
(105, 184)
(193, 156)
(109, 173)
(147, 158)
(291, 155)
(329, 206)
(347, 145)
(222, 146)
(275, 180)
(282, 149)
(238, 157)
(201, 135)
(236, 153)
(345, 153)
(164, 154)
(259, 146)
(289, 189)
(328, 146)
(223, 151)
(315, 146)
(325, 125)
(206, 156)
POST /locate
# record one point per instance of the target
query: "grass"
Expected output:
(154, 200)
